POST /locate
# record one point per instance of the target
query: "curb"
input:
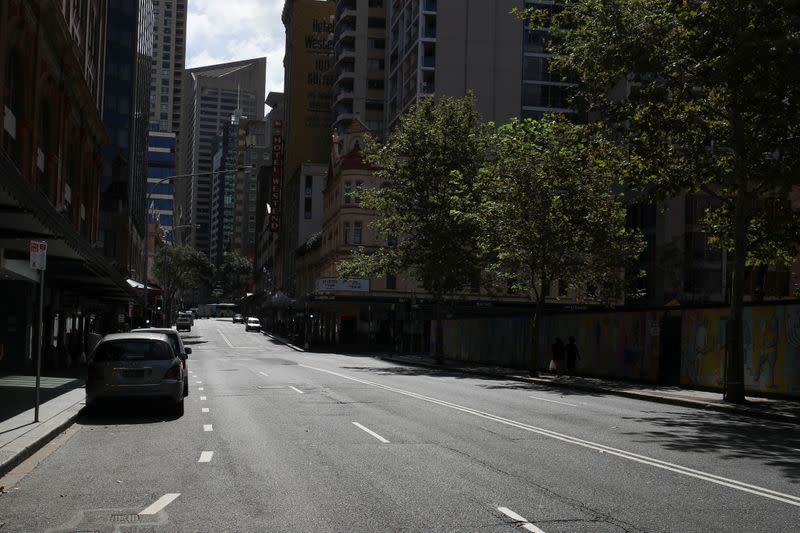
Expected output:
(12, 462)
(694, 404)
(283, 341)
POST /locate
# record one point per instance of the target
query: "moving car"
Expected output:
(177, 346)
(135, 365)
(238, 318)
(252, 323)
(184, 322)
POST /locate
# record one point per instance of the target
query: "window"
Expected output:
(307, 209)
(346, 233)
(375, 85)
(375, 3)
(391, 281)
(348, 189)
(376, 64)
(374, 105)
(375, 42)
(359, 186)
(309, 185)
(357, 233)
(376, 22)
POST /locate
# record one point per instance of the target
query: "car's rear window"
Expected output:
(132, 350)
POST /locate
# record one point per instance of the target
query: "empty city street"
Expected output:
(275, 439)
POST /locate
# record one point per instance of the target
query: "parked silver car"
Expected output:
(135, 365)
(177, 346)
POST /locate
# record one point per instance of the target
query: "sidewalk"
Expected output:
(61, 400)
(763, 408)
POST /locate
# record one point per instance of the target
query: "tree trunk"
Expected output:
(439, 333)
(734, 376)
(536, 340)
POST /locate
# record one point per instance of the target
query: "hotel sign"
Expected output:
(342, 285)
(277, 176)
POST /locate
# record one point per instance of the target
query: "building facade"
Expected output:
(360, 59)
(161, 148)
(129, 47)
(169, 54)
(211, 95)
(52, 74)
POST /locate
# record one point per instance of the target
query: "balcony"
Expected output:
(344, 53)
(344, 96)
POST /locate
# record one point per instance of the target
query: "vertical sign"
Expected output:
(38, 255)
(277, 176)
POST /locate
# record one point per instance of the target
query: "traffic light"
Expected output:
(159, 303)
(147, 315)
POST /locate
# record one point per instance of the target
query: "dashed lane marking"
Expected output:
(296, 389)
(359, 426)
(520, 521)
(160, 503)
(205, 457)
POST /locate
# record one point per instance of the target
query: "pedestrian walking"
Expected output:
(572, 355)
(557, 363)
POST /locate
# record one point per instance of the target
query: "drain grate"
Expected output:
(124, 518)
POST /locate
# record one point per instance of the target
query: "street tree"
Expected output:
(707, 96)
(428, 172)
(180, 267)
(552, 213)
(234, 275)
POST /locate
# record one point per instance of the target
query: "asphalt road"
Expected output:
(279, 440)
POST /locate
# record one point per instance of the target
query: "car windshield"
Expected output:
(133, 350)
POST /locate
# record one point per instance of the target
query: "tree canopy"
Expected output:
(180, 267)
(705, 96)
(234, 275)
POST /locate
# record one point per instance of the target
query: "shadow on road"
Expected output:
(126, 412)
(774, 444)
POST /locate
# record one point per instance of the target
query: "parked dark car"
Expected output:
(177, 345)
(238, 318)
(135, 365)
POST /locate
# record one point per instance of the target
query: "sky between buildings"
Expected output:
(218, 31)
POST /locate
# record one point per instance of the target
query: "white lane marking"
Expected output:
(359, 426)
(160, 503)
(199, 382)
(205, 457)
(202, 398)
(263, 374)
(208, 427)
(657, 463)
(517, 518)
(200, 388)
(204, 409)
(225, 338)
(296, 389)
(552, 401)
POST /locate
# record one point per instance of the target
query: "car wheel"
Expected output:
(179, 408)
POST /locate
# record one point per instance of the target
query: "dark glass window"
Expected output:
(133, 350)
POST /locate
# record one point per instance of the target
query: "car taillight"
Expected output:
(93, 374)
(174, 372)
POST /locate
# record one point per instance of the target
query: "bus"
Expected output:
(217, 310)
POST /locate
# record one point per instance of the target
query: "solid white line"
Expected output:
(204, 409)
(208, 427)
(263, 374)
(657, 463)
(202, 398)
(160, 503)
(205, 457)
(523, 522)
(553, 401)
(371, 433)
(225, 339)
(296, 389)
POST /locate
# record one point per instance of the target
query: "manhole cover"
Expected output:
(124, 518)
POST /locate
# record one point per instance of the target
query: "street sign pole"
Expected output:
(38, 261)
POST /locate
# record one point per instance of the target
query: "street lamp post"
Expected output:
(147, 200)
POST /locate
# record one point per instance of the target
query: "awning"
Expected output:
(72, 263)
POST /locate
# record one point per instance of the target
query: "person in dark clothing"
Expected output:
(558, 356)
(572, 355)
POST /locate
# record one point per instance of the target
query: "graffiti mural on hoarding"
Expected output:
(622, 345)
(771, 338)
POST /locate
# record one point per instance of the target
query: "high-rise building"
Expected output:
(169, 53)
(211, 95)
(127, 89)
(223, 190)
(308, 81)
(360, 59)
(161, 191)
(252, 153)
(449, 48)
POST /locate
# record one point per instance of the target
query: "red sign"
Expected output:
(277, 177)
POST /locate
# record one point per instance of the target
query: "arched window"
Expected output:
(14, 105)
